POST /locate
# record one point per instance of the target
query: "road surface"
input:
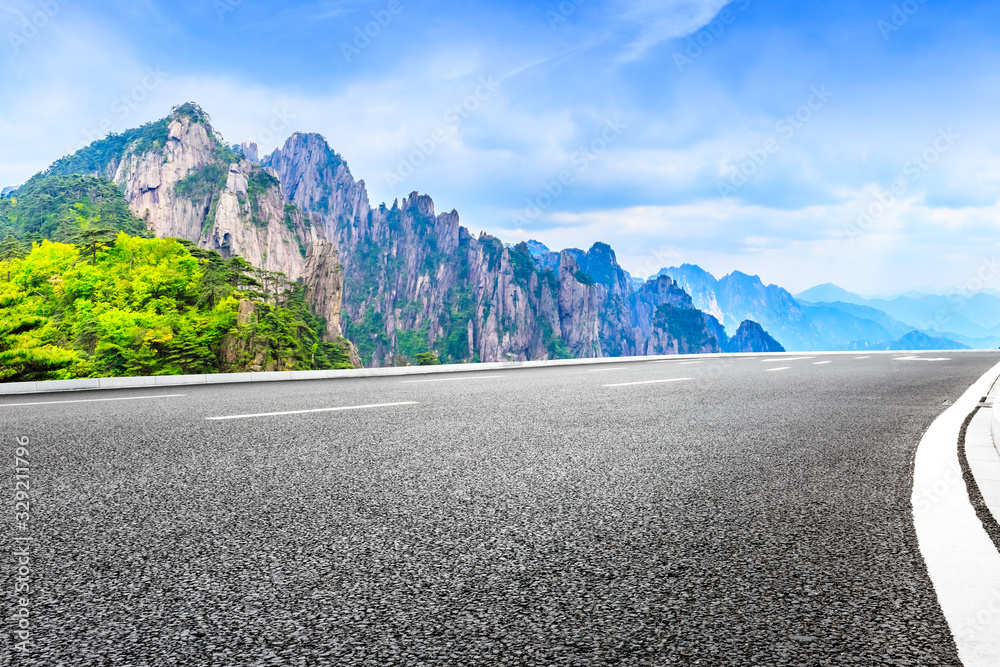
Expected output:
(731, 511)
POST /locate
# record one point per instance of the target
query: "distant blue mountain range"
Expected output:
(827, 317)
(830, 318)
(973, 319)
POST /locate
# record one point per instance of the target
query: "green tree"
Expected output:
(10, 249)
(427, 359)
(92, 241)
(21, 363)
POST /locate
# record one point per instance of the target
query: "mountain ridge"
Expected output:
(800, 325)
(969, 318)
(402, 282)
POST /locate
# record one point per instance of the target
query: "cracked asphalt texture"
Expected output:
(533, 517)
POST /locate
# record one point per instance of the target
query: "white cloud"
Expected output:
(913, 245)
(660, 20)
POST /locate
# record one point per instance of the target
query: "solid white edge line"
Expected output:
(688, 363)
(304, 412)
(630, 384)
(478, 377)
(783, 368)
(769, 361)
(604, 370)
(91, 400)
(962, 561)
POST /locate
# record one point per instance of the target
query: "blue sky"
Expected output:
(758, 135)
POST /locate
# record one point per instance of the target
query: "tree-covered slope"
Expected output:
(61, 208)
(141, 306)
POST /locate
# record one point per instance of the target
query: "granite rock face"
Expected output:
(396, 280)
(149, 179)
(325, 279)
(195, 187)
(415, 280)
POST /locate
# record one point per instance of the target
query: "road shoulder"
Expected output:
(962, 560)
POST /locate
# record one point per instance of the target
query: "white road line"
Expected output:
(856, 358)
(92, 400)
(782, 359)
(961, 559)
(820, 363)
(632, 384)
(913, 358)
(772, 370)
(688, 363)
(305, 412)
(603, 370)
(478, 377)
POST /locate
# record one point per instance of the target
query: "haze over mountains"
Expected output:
(972, 318)
(829, 318)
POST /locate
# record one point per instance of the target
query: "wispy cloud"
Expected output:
(658, 21)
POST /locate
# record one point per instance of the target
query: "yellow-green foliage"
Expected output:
(143, 307)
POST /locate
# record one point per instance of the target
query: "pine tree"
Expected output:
(10, 249)
(93, 240)
(19, 364)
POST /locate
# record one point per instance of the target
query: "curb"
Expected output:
(995, 425)
(91, 384)
(961, 558)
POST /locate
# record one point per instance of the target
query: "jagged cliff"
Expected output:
(398, 281)
(417, 281)
(184, 181)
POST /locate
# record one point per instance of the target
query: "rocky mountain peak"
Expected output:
(250, 152)
(317, 179)
(183, 181)
(192, 112)
(751, 337)
(422, 204)
(745, 278)
(536, 248)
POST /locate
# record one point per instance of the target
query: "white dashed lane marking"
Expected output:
(631, 384)
(92, 400)
(772, 370)
(478, 377)
(306, 412)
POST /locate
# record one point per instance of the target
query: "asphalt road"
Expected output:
(744, 516)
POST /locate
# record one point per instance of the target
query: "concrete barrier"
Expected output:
(284, 376)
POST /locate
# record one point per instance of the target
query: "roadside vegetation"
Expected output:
(84, 292)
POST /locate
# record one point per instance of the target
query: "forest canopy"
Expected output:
(128, 306)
